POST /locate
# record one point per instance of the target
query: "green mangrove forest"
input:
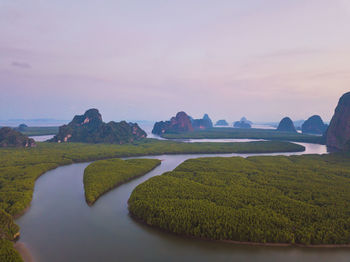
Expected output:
(266, 199)
(246, 133)
(20, 167)
(104, 175)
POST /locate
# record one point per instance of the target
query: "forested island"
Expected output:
(89, 128)
(104, 175)
(292, 200)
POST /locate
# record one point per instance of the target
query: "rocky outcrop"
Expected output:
(221, 122)
(12, 138)
(203, 123)
(90, 128)
(286, 125)
(245, 120)
(243, 123)
(240, 124)
(314, 125)
(180, 123)
(338, 133)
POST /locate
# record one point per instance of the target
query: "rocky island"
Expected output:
(338, 133)
(314, 125)
(286, 125)
(182, 122)
(203, 123)
(90, 128)
(221, 122)
(12, 138)
(243, 123)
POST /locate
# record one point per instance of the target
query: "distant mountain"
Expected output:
(180, 123)
(203, 123)
(12, 138)
(32, 122)
(90, 128)
(245, 120)
(338, 133)
(286, 125)
(221, 122)
(314, 125)
(243, 123)
(240, 124)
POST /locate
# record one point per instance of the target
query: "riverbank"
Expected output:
(243, 243)
(24, 252)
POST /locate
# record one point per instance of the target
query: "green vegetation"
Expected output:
(267, 199)
(249, 133)
(20, 167)
(104, 175)
(8, 253)
(39, 130)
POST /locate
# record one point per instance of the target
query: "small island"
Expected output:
(180, 123)
(104, 175)
(286, 125)
(243, 123)
(221, 122)
(90, 128)
(314, 125)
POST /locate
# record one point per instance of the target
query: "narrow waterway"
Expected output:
(60, 226)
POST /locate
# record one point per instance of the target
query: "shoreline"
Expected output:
(24, 252)
(235, 242)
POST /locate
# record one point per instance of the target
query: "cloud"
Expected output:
(22, 65)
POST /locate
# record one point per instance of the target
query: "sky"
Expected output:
(147, 60)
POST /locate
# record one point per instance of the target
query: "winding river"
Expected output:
(60, 226)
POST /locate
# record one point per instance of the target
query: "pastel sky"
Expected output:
(146, 60)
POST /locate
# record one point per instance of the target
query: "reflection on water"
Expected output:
(60, 226)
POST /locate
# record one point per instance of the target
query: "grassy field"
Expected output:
(295, 200)
(19, 168)
(104, 175)
(251, 133)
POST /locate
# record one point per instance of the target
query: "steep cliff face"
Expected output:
(286, 125)
(314, 125)
(12, 138)
(338, 133)
(180, 123)
(90, 128)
